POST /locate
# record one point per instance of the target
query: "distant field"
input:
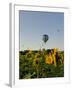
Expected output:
(41, 64)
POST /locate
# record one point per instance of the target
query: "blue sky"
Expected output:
(34, 24)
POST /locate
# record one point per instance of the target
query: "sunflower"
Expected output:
(48, 59)
(36, 62)
(55, 49)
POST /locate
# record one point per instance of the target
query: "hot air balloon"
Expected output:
(58, 30)
(45, 38)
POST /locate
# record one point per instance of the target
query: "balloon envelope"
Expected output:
(45, 38)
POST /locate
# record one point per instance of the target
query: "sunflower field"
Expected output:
(41, 64)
